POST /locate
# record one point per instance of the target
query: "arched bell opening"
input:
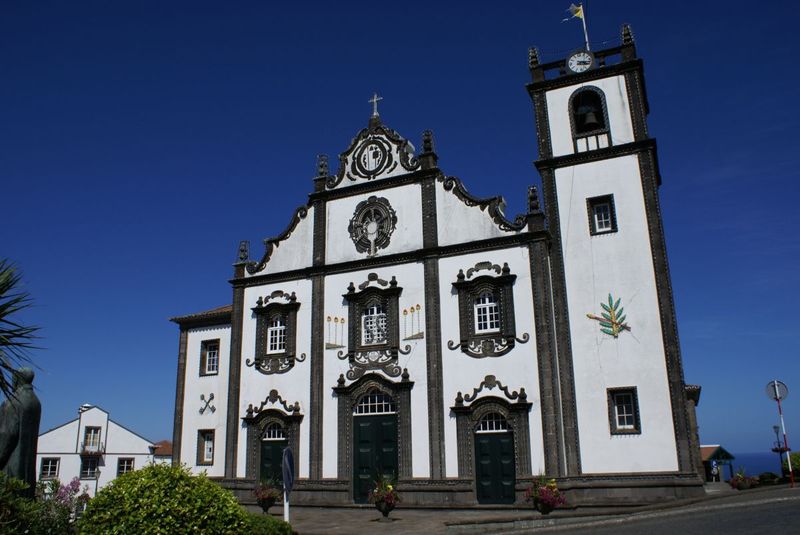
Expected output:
(589, 119)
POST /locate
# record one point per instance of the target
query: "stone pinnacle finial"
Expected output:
(627, 35)
(533, 57)
(533, 200)
(427, 142)
(322, 165)
(244, 251)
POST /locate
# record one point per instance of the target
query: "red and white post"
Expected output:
(783, 428)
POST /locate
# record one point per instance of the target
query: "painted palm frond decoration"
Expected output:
(612, 319)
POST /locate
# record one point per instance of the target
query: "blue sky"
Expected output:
(140, 141)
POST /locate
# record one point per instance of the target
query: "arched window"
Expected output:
(374, 325)
(589, 119)
(493, 422)
(273, 431)
(375, 402)
(276, 335)
(487, 313)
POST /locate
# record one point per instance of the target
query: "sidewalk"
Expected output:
(407, 521)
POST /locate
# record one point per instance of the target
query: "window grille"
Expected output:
(274, 431)
(602, 217)
(374, 325)
(212, 358)
(49, 468)
(375, 402)
(89, 468)
(494, 422)
(276, 335)
(124, 465)
(487, 313)
(623, 406)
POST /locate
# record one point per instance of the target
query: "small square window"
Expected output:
(89, 468)
(623, 411)
(49, 468)
(205, 447)
(209, 357)
(602, 215)
(91, 440)
(124, 465)
(276, 335)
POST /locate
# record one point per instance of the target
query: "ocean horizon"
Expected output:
(755, 463)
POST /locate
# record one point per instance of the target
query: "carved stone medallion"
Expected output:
(372, 225)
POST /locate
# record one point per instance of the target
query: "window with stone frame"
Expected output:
(209, 357)
(205, 447)
(276, 332)
(486, 311)
(623, 411)
(589, 119)
(602, 215)
(374, 327)
(49, 468)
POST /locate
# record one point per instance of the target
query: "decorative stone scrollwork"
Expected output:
(364, 361)
(281, 308)
(490, 382)
(372, 225)
(271, 243)
(273, 398)
(491, 205)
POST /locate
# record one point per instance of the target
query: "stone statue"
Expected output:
(19, 430)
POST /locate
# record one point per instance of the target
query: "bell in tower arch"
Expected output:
(590, 120)
(588, 113)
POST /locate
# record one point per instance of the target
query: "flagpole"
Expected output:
(585, 32)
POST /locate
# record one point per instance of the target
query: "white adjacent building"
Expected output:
(402, 326)
(93, 448)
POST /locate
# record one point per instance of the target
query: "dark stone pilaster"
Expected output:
(177, 429)
(234, 381)
(317, 343)
(545, 350)
(433, 332)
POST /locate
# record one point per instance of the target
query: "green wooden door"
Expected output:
(495, 470)
(272, 460)
(374, 452)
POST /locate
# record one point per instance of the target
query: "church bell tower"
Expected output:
(621, 385)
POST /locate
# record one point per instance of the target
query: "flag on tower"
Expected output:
(575, 11)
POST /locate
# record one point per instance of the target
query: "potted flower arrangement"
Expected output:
(384, 496)
(740, 481)
(267, 492)
(544, 495)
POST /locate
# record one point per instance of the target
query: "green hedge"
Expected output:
(163, 500)
(261, 524)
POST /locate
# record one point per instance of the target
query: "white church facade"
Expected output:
(402, 326)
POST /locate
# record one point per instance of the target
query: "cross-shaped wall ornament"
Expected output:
(374, 100)
(207, 402)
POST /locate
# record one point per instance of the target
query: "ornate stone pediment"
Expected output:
(376, 152)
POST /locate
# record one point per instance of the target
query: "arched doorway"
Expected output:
(273, 441)
(495, 468)
(375, 442)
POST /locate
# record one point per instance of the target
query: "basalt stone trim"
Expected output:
(542, 124)
(255, 428)
(468, 417)
(648, 168)
(377, 262)
(320, 230)
(433, 347)
(564, 370)
(614, 151)
(430, 228)
(545, 351)
(637, 100)
(317, 370)
(234, 382)
(375, 185)
(348, 396)
(177, 429)
(605, 71)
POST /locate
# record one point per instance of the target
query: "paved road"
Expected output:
(775, 514)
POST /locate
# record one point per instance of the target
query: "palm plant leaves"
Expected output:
(612, 319)
(16, 339)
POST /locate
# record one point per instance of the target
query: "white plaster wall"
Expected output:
(295, 252)
(194, 386)
(293, 386)
(60, 439)
(619, 263)
(619, 113)
(516, 369)
(410, 279)
(406, 201)
(459, 223)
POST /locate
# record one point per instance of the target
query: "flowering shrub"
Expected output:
(742, 481)
(61, 504)
(384, 492)
(544, 494)
(51, 512)
(267, 490)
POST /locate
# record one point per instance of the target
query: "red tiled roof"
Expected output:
(219, 313)
(163, 448)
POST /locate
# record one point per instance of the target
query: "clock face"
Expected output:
(580, 61)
